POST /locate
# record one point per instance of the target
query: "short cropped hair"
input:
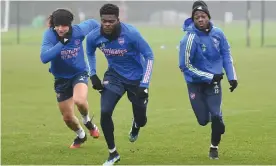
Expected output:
(109, 9)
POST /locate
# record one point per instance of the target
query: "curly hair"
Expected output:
(109, 9)
(61, 17)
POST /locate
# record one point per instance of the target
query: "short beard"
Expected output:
(115, 34)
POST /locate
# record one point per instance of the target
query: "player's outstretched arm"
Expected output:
(48, 50)
(91, 56)
(228, 63)
(90, 52)
(186, 54)
(143, 47)
(87, 26)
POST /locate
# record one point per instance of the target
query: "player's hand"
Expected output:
(142, 92)
(233, 84)
(217, 78)
(96, 83)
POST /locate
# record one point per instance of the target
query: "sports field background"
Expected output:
(33, 131)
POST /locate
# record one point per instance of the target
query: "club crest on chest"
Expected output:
(121, 40)
(216, 43)
(77, 42)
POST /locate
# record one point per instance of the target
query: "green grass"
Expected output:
(33, 131)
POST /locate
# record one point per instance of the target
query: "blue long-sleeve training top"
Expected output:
(204, 54)
(130, 55)
(66, 60)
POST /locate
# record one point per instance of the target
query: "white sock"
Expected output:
(80, 133)
(85, 119)
(112, 150)
(212, 146)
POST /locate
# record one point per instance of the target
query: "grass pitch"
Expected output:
(33, 131)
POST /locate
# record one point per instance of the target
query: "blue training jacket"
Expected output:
(66, 60)
(204, 54)
(129, 55)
